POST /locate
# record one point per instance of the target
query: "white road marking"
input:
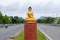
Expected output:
(46, 35)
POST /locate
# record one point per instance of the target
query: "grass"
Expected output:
(40, 36)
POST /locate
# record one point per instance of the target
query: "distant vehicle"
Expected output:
(6, 26)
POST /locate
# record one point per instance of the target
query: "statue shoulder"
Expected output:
(29, 12)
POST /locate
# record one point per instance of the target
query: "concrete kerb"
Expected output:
(12, 37)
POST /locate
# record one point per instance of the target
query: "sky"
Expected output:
(40, 8)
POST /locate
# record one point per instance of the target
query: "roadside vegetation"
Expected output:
(4, 19)
(10, 19)
(40, 36)
(49, 20)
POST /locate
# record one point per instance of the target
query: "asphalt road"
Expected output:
(11, 30)
(52, 31)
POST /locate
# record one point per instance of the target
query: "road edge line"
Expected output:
(46, 34)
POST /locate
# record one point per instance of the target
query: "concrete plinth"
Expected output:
(30, 31)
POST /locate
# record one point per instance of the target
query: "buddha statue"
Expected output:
(30, 16)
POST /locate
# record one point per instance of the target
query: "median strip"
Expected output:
(40, 36)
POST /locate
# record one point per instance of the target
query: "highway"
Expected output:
(52, 31)
(11, 30)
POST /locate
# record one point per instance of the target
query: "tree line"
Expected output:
(10, 19)
(49, 20)
(15, 20)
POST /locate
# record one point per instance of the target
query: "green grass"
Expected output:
(40, 36)
(20, 36)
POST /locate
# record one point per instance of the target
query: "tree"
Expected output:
(41, 20)
(6, 19)
(45, 20)
(16, 19)
(12, 19)
(1, 17)
(56, 20)
(48, 20)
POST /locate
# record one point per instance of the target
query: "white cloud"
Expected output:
(39, 6)
(32, 2)
(10, 2)
(55, 2)
(7, 2)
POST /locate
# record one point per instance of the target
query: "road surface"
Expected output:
(52, 31)
(11, 30)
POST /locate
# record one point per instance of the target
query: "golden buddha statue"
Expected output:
(30, 17)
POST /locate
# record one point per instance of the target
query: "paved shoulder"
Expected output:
(51, 31)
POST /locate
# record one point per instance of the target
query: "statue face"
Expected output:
(29, 9)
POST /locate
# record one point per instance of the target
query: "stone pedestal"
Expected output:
(30, 31)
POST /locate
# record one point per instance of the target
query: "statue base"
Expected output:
(30, 31)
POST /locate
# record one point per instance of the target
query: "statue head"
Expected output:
(29, 9)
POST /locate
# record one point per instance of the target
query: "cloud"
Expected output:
(19, 7)
(7, 2)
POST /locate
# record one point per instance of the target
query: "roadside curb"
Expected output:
(48, 38)
(12, 37)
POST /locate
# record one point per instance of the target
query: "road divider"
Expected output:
(12, 37)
